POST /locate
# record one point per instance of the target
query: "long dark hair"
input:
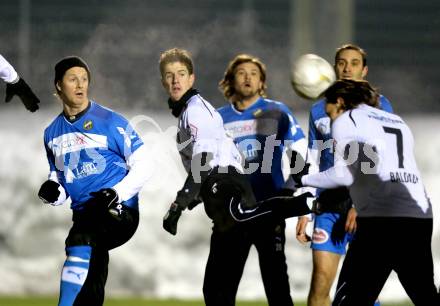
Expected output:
(353, 92)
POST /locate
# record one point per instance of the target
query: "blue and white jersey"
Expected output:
(320, 142)
(262, 132)
(92, 153)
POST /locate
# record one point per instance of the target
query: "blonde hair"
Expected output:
(176, 55)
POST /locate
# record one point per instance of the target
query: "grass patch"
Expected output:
(47, 301)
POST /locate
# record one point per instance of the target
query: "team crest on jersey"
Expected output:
(319, 236)
(88, 124)
(257, 113)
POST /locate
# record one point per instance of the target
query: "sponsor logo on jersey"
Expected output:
(73, 142)
(385, 118)
(249, 148)
(85, 169)
(88, 124)
(242, 128)
(319, 236)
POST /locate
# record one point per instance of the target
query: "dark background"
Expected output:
(122, 40)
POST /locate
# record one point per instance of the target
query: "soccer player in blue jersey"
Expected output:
(16, 85)
(332, 230)
(262, 129)
(98, 161)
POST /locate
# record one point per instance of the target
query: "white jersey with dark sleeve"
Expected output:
(7, 72)
(201, 130)
(374, 158)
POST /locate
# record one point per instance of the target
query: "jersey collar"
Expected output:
(177, 106)
(78, 116)
(250, 107)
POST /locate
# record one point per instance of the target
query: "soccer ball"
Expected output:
(311, 75)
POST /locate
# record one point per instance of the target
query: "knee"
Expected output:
(322, 280)
(80, 239)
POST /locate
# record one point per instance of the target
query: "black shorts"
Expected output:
(221, 187)
(228, 199)
(98, 228)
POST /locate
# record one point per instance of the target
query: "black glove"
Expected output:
(298, 176)
(171, 218)
(24, 92)
(194, 204)
(336, 200)
(49, 192)
(108, 198)
(285, 192)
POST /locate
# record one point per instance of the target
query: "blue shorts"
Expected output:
(329, 234)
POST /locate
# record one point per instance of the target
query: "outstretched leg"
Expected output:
(278, 207)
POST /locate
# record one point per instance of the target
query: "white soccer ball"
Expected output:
(311, 75)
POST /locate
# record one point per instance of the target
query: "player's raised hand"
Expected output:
(24, 92)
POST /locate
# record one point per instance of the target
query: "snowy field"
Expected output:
(153, 263)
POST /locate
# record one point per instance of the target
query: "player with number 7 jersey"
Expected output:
(374, 158)
(374, 148)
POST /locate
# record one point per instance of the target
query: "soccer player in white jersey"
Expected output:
(374, 159)
(16, 85)
(333, 228)
(98, 160)
(215, 177)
